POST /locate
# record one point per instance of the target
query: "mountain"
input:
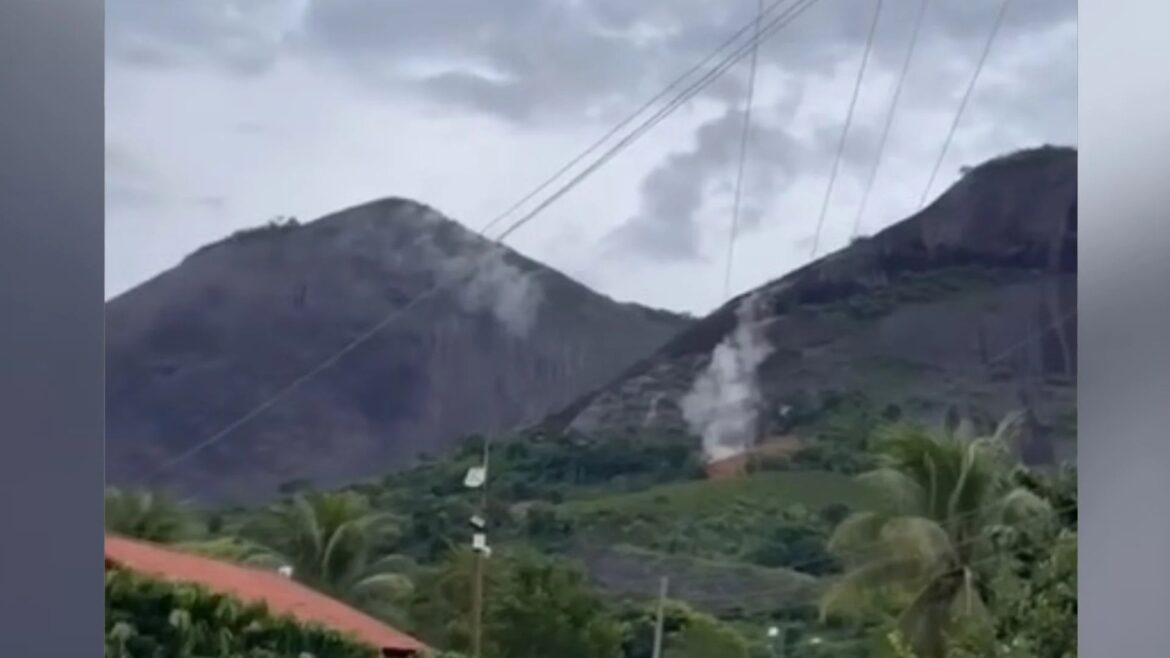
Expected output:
(504, 342)
(964, 310)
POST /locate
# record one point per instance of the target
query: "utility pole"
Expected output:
(660, 620)
(477, 608)
(477, 478)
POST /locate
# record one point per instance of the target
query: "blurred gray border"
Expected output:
(1124, 406)
(51, 356)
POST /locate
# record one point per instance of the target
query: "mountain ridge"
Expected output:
(1012, 218)
(503, 341)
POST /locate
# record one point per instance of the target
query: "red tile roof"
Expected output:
(282, 595)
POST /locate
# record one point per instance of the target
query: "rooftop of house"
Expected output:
(281, 594)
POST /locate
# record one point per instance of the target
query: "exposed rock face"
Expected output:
(196, 348)
(968, 307)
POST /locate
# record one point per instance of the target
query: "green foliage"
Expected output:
(150, 516)
(798, 540)
(955, 557)
(336, 544)
(147, 618)
(548, 610)
(922, 553)
(536, 607)
(1038, 617)
(702, 637)
(1035, 590)
(686, 633)
(548, 468)
(770, 519)
(808, 488)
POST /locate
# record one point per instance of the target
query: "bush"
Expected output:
(147, 618)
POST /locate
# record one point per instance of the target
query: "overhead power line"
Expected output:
(773, 25)
(845, 129)
(966, 97)
(770, 28)
(743, 146)
(580, 157)
(877, 162)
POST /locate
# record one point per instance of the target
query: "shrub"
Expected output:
(146, 618)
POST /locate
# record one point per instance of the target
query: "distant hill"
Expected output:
(507, 341)
(965, 309)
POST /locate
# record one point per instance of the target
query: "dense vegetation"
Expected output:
(150, 618)
(881, 539)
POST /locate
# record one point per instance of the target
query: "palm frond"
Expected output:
(919, 539)
(388, 586)
(967, 603)
(898, 493)
(858, 532)
(1008, 426)
(151, 517)
(850, 594)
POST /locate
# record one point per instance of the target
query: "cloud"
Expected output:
(673, 194)
(245, 37)
(520, 60)
(130, 180)
(552, 76)
(531, 59)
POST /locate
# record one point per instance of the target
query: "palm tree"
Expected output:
(332, 543)
(923, 548)
(150, 516)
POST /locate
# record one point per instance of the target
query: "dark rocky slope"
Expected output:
(967, 307)
(192, 350)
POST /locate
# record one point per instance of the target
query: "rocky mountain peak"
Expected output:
(973, 298)
(477, 338)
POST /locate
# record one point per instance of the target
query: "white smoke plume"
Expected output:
(499, 287)
(485, 281)
(724, 403)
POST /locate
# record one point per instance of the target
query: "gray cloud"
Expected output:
(666, 225)
(515, 59)
(130, 181)
(526, 59)
(245, 37)
(533, 62)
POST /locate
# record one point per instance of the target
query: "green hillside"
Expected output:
(813, 489)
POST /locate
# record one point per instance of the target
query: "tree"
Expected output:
(704, 636)
(534, 608)
(545, 609)
(150, 516)
(923, 551)
(336, 544)
(1035, 616)
(441, 606)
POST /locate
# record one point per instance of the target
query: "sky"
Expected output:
(222, 115)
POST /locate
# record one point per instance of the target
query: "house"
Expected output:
(281, 594)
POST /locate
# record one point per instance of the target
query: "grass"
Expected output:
(813, 489)
(715, 585)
